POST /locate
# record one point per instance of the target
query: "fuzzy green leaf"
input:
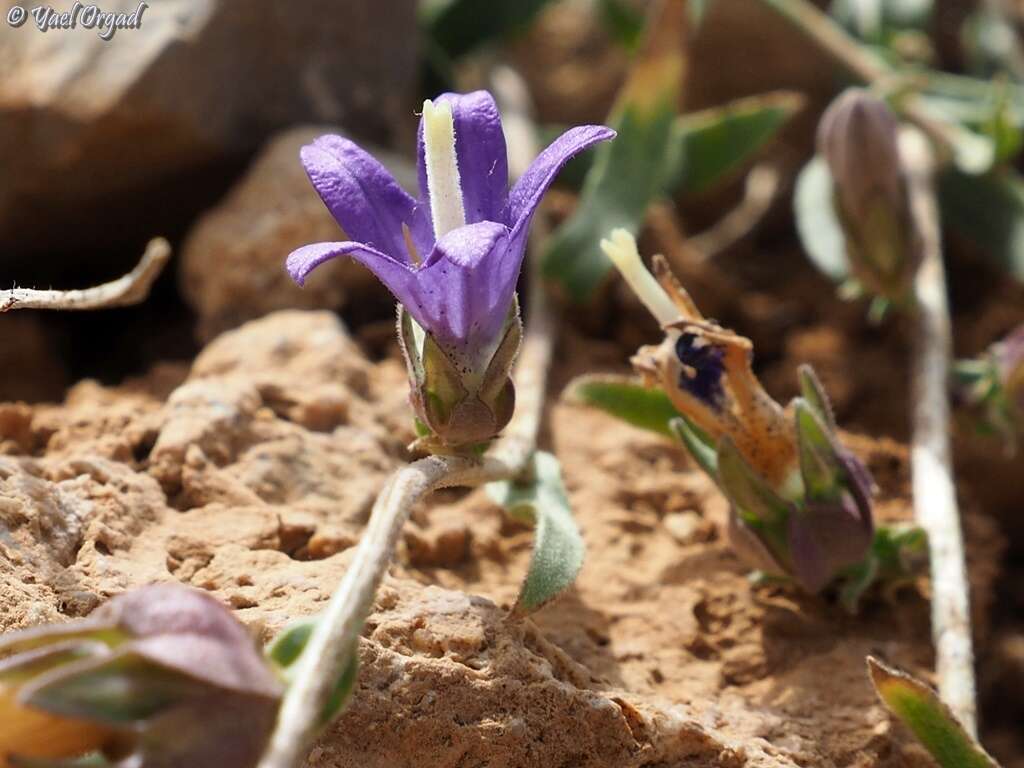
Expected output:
(716, 142)
(558, 548)
(817, 221)
(755, 502)
(697, 443)
(629, 172)
(920, 709)
(709, 145)
(898, 554)
(624, 22)
(989, 211)
(814, 393)
(457, 27)
(820, 467)
(117, 690)
(285, 649)
(626, 398)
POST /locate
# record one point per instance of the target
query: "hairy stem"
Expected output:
(816, 24)
(862, 65)
(129, 289)
(337, 633)
(935, 503)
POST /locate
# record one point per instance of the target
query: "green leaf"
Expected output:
(817, 222)
(697, 443)
(709, 145)
(623, 21)
(755, 502)
(558, 548)
(814, 393)
(626, 398)
(820, 468)
(716, 142)
(880, 21)
(457, 27)
(629, 172)
(989, 211)
(285, 649)
(122, 689)
(1003, 125)
(920, 709)
(898, 553)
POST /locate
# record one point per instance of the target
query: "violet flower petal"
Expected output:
(826, 538)
(480, 153)
(466, 303)
(528, 191)
(364, 197)
(399, 278)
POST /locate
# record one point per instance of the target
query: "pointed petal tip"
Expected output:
(528, 191)
(304, 260)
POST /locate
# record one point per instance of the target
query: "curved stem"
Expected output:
(129, 289)
(931, 465)
(340, 625)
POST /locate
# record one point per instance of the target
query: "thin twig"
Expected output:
(816, 24)
(759, 191)
(864, 66)
(935, 503)
(337, 633)
(132, 288)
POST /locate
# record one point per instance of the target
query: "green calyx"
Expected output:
(460, 407)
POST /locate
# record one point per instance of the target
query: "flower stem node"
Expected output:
(158, 677)
(451, 258)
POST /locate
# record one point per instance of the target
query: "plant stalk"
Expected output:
(935, 505)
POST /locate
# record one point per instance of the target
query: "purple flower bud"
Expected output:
(451, 257)
(858, 137)
(160, 676)
(1009, 357)
(993, 385)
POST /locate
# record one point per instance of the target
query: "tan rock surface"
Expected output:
(253, 478)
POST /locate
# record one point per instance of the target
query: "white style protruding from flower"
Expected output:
(621, 248)
(443, 180)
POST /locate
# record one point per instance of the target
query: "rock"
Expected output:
(232, 264)
(106, 138)
(663, 653)
(36, 372)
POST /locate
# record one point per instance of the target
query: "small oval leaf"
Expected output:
(558, 548)
(920, 709)
(626, 398)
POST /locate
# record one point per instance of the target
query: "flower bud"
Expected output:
(994, 386)
(161, 676)
(858, 138)
(812, 530)
(459, 405)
